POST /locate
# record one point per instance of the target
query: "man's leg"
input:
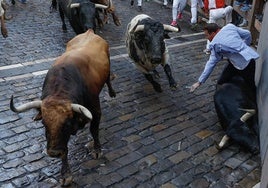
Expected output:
(227, 74)
(248, 74)
(194, 11)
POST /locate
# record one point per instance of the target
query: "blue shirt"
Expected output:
(231, 42)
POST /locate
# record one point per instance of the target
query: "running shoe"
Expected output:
(173, 23)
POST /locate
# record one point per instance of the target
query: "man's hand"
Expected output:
(194, 86)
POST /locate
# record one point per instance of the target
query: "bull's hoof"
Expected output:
(4, 32)
(66, 181)
(52, 9)
(217, 146)
(96, 154)
(8, 17)
(173, 87)
(117, 22)
(158, 88)
(156, 74)
(64, 28)
(112, 93)
(112, 76)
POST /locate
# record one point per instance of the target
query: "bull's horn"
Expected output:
(171, 28)
(81, 109)
(223, 142)
(24, 107)
(75, 5)
(248, 114)
(101, 6)
(110, 3)
(139, 28)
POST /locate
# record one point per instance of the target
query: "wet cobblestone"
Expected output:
(149, 139)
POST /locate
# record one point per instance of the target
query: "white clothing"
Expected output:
(178, 6)
(139, 2)
(215, 14)
(194, 4)
(2, 11)
(218, 13)
(165, 2)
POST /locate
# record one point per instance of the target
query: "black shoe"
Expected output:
(132, 2)
(139, 8)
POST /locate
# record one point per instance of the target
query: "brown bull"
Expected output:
(110, 10)
(70, 96)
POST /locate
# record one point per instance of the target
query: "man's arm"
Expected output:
(211, 63)
(245, 35)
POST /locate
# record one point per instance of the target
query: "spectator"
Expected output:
(194, 4)
(216, 9)
(177, 8)
(234, 43)
(245, 6)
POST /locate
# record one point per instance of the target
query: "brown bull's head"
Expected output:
(61, 118)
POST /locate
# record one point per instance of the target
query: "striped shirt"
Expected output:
(231, 42)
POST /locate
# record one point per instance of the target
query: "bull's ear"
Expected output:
(38, 116)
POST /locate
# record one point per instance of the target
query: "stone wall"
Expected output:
(261, 79)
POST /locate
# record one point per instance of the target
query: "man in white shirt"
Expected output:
(234, 43)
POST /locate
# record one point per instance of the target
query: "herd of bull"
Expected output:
(70, 92)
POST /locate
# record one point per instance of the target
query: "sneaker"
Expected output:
(179, 17)
(139, 8)
(243, 24)
(206, 51)
(245, 8)
(173, 23)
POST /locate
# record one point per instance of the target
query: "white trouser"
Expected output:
(139, 2)
(194, 4)
(215, 14)
(165, 2)
(178, 6)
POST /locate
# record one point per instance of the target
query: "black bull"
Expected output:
(70, 96)
(235, 104)
(80, 13)
(146, 47)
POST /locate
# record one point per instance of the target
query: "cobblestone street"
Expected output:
(149, 139)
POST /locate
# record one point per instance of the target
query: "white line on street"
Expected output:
(42, 72)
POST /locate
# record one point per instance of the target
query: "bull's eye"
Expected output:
(67, 127)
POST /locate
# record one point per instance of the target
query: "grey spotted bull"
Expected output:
(236, 108)
(70, 96)
(146, 47)
(110, 10)
(80, 13)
